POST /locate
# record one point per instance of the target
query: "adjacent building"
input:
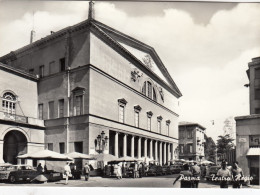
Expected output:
(20, 129)
(94, 79)
(191, 141)
(248, 127)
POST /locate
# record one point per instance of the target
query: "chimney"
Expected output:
(32, 36)
(91, 10)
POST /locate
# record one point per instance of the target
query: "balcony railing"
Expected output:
(21, 119)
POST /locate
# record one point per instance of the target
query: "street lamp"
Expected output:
(101, 142)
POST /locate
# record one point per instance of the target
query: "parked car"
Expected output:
(15, 173)
(166, 170)
(176, 168)
(213, 170)
(152, 170)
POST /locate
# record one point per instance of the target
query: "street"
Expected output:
(148, 182)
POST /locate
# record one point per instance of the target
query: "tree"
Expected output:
(224, 144)
(210, 149)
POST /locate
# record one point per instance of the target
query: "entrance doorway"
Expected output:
(15, 143)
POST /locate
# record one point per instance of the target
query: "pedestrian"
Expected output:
(119, 172)
(140, 169)
(186, 177)
(224, 175)
(237, 175)
(196, 172)
(67, 172)
(39, 168)
(136, 170)
(45, 169)
(86, 171)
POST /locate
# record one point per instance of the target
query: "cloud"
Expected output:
(207, 62)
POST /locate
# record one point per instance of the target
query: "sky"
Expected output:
(205, 46)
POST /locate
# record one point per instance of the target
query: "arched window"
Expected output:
(8, 103)
(149, 90)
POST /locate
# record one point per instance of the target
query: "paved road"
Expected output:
(149, 182)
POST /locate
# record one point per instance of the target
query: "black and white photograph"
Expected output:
(133, 94)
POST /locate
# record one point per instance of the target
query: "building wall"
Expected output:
(120, 68)
(197, 147)
(245, 127)
(112, 91)
(254, 85)
(26, 92)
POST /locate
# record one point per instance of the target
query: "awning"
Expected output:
(253, 152)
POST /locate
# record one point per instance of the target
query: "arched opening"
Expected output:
(15, 143)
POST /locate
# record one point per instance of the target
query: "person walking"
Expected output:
(140, 170)
(39, 168)
(196, 172)
(119, 172)
(67, 172)
(186, 177)
(86, 171)
(224, 175)
(237, 175)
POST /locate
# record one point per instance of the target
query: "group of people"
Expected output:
(67, 172)
(41, 169)
(134, 170)
(191, 175)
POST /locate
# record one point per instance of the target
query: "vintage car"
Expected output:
(15, 173)
(176, 168)
(155, 170)
(212, 172)
(166, 170)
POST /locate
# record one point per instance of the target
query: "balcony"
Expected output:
(21, 119)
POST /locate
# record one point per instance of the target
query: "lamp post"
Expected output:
(101, 142)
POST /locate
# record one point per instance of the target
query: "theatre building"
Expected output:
(20, 129)
(248, 127)
(94, 79)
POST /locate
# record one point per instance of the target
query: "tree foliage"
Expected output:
(210, 149)
(224, 144)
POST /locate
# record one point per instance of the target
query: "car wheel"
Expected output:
(12, 179)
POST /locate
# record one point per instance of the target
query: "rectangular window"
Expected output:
(50, 146)
(149, 90)
(31, 71)
(62, 64)
(257, 73)
(136, 119)
(181, 134)
(51, 110)
(40, 110)
(149, 123)
(257, 111)
(79, 105)
(52, 67)
(78, 147)
(41, 71)
(189, 134)
(121, 114)
(62, 147)
(168, 129)
(257, 94)
(190, 148)
(159, 126)
(61, 108)
(181, 149)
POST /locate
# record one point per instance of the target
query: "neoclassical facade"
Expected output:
(93, 79)
(20, 129)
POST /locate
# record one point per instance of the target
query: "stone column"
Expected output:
(172, 153)
(164, 154)
(139, 148)
(133, 146)
(151, 149)
(156, 151)
(145, 147)
(169, 152)
(125, 145)
(160, 151)
(1, 151)
(116, 144)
